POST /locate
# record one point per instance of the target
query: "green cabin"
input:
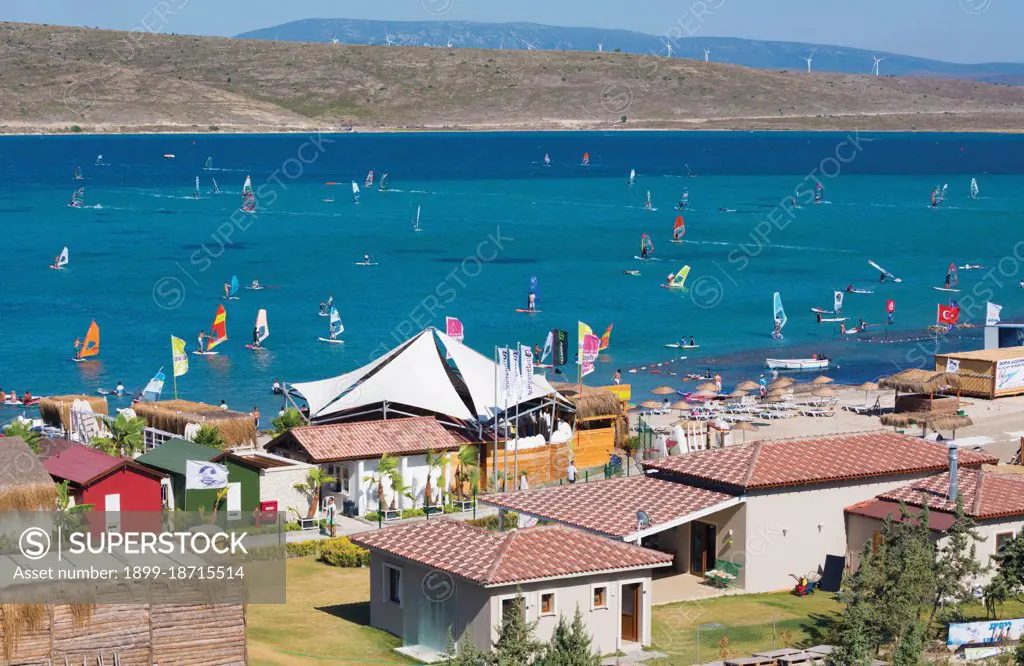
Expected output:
(171, 458)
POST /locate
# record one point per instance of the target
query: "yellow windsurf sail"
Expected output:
(679, 279)
(219, 330)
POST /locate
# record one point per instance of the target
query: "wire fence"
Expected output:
(714, 641)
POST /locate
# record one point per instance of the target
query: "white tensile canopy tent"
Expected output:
(418, 377)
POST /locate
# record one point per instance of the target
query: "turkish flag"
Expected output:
(948, 315)
(890, 306)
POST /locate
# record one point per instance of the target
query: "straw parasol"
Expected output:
(782, 382)
(708, 386)
(744, 426)
(739, 393)
(174, 415)
(650, 404)
(927, 420)
(748, 385)
(25, 485)
(56, 410)
(822, 379)
(663, 390)
(866, 387)
(776, 396)
(824, 392)
(705, 394)
(681, 405)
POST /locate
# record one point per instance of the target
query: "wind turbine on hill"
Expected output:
(875, 68)
(668, 48)
(809, 59)
(389, 39)
(707, 55)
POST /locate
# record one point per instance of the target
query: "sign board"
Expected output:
(988, 632)
(1009, 373)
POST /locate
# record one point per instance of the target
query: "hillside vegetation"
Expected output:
(57, 78)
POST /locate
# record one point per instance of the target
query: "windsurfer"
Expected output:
(948, 278)
(255, 336)
(78, 342)
(330, 303)
(531, 302)
(819, 317)
(777, 333)
(842, 328)
(227, 289)
(255, 284)
(849, 288)
(643, 251)
(691, 342)
(881, 277)
(201, 341)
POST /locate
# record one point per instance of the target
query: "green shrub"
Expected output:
(491, 522)
(372, 516)
(303, 548)
(340, 552)
(76, 129)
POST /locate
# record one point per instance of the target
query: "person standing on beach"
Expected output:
(224, 405)
(617, 377)
(256, 416)
(332, 509)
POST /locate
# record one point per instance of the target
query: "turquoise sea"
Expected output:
(148, 261)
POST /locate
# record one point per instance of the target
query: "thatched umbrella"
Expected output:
(663, 390)
(681, 405)
(866, 387)
(776, 396)
(56, 410)
(739, 393)
(748, 385)
(822, 379)
(705, 394)
(824, 392)
(650, 404)
(932, 420)
(709, 386)
(744, 426)
(173, 415)
(782, 382)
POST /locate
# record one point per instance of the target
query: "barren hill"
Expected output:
(55, 78)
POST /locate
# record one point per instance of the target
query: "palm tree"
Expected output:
(125, 436)
(467, 462)
(316, 479)
(210, 436)
(435, 461)
(19, 428)
(399, 488)
(387, 468)
(290, 419)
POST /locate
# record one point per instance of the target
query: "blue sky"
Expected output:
(955, 30)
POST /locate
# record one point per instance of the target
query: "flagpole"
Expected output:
(494, 458)
(519, 374)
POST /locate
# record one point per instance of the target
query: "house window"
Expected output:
(1002, 541)
(547, 603)
(599, 597)
(344, 479)
(392, 585)
(876, 541)
(510, 604)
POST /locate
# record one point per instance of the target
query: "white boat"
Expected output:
(797, 363)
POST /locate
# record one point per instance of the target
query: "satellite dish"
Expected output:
(642, 519)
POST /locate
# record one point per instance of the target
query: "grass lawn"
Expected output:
(326, 621)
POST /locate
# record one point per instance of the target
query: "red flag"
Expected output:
(948, 315)
(890, 306)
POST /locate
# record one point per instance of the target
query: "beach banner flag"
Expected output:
(890, 306)
(506, 378)
(948, 315)
(838, 301)
(591, 348)
(514, 373)
(992, 314)
(582, 332)
(179, 356)
(203, 475)
(526, 367)
(454, 328)
(560, 347)
(952, 365)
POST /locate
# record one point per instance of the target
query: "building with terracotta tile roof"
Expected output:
(770, 509)
(435, 578)
(351, 451)
(994, 500)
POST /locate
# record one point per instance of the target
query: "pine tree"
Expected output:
(908, 575)
(570, 645)
(516, 645)
(1008, 581)
(957, 567)
(908, 652)
(855, 640)
(463, 654)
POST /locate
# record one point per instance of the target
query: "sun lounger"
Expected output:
(817, 412)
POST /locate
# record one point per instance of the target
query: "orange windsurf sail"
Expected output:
(219, 330)
(91, 346)
(606, 339)
(679, 230)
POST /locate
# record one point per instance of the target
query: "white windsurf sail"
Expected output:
(216, 190)
(62, 260)
(779, 313)
(974, 188)
(632, 176)
(262, 330)
(197, 186)
(887, 274)
(416, 222)
(548, 342)
(942, 196)
(336, 327)
(209, 164)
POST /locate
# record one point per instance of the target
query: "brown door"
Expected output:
(703, 538)
(631, 612)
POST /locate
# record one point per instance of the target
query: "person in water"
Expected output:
(531, 302)
(276, 388)
(643, 252)
(881, 277)
(617, 377)
(78, 342)
(842, 328)
(948, 278)
(227, 289)
(119, 389)
(849, 288)
(366, 258)
(323, 307)
(255, 284)
(861, 324)
(201, 341)
(819, 317)
(255, 336)
(330, 303)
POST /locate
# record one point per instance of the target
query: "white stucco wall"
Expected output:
(364, 494)
(791, 530)
(860, 530)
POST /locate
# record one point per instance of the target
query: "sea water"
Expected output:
(148, 261)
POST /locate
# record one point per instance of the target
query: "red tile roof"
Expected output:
(80, 464)
(369, 439)
(501, 558)
(814, 460)
(880, 509)
(985, 495)
(610, 507)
